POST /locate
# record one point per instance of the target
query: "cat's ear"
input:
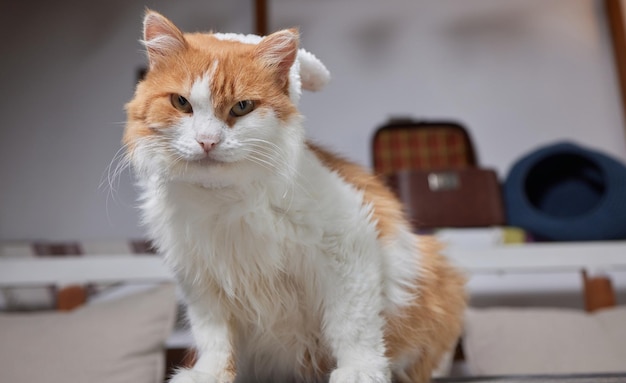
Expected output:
(278, 51)
(161, 37)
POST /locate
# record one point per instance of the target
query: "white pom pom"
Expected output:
(313, 73)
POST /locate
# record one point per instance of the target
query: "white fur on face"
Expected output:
(201, 125)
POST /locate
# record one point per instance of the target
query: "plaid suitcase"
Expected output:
(432, 168)
(408, 144)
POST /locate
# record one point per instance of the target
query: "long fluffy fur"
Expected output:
(296, 264)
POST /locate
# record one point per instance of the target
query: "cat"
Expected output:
(296, 265)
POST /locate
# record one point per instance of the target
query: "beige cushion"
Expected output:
(117, 341)
(504, 341)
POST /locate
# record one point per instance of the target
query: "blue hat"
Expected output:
(564, 192)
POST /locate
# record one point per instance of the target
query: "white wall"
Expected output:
(518, 73)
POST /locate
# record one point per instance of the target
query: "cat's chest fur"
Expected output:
(265, 251)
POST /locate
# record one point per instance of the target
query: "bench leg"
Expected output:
(598, 292)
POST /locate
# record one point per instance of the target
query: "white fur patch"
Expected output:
(402, 262)
(200, 94)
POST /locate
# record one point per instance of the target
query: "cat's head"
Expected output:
(218, 109)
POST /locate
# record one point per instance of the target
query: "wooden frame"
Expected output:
(617, 29)
(260, 17)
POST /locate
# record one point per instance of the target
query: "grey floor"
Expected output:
(604, 378)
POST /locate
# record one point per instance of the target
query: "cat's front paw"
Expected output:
(361, 374)
(193, 376)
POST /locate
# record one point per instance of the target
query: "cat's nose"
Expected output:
(207, 143)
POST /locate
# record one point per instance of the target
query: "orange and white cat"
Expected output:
(296, 265)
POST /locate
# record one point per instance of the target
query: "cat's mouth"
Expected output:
(209, 161)
(206, 161)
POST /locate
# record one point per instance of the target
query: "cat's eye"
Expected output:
(181, 103)
(242, 108)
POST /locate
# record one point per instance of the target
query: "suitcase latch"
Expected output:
(443, 181)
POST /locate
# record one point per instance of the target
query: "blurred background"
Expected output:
(518, 74)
